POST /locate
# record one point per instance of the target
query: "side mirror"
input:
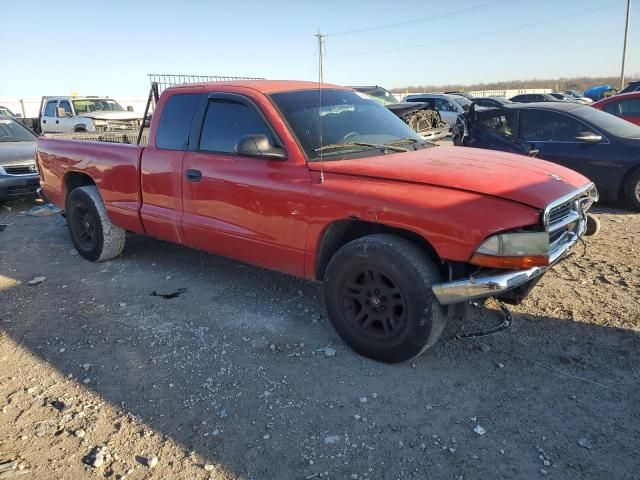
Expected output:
(589, 137)
(258, 145)
(129, 108)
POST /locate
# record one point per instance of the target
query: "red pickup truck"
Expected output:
(320, 182)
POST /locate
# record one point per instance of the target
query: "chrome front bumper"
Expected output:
(491, 283)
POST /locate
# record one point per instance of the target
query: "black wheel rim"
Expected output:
(84, 227)
(373, 304)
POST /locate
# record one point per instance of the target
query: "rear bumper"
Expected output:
(493, 283)
(18, 185)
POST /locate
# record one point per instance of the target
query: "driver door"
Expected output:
(556, 137)
(447, 111)
(252, 209)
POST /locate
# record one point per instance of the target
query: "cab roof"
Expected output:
(263, 86)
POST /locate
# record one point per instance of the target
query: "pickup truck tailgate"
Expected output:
(113, 167)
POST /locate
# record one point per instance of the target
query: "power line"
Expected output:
(478, 35)
(425, 19)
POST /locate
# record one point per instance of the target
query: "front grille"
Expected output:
(26, 189)
(19, 170)
(564, 219)
(560, 213)
(122, 124)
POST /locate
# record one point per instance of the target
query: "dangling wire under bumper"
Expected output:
(507, 320)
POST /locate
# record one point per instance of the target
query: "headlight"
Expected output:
(513, 250)
(100, 123)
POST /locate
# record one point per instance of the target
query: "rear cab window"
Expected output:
(175, 121)
(50, 108)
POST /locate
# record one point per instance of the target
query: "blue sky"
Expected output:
(107, 48)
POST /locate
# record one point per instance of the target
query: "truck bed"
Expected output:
(115, 168)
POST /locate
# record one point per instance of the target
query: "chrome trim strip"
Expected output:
(572, 217)
(564, 199)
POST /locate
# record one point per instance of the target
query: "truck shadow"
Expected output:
(197, 368)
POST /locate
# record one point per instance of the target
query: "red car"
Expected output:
(625, 106)
(318, 182)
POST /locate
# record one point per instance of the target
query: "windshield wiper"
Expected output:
(404, 140)
(359, 144)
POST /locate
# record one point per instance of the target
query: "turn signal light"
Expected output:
(509, 262)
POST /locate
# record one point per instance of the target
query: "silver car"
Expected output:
(18, 172)
(448, 106)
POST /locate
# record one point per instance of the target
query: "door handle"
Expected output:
(193, 175)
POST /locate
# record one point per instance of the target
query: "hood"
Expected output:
(12, 153)
(404, 108)
(513, 177)
(113, 115)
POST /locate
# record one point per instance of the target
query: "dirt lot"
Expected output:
(231, 379)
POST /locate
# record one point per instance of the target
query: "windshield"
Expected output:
(12, 131)
(348, 120)
(381, 95)
(609, 123)
(88, 105)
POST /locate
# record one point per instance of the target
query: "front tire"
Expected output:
(379, 298)
(91, 231)
(632, 191)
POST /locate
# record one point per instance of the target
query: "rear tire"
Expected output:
(379, 298)
(91, 231)
(632, 191)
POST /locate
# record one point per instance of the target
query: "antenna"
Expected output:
(320, 80)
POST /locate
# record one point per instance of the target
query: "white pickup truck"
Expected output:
(86, 114)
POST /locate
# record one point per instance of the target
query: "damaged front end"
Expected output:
(422, 119)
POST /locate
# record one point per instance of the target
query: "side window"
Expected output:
(613, 108)
(502, 124)
(175, 122)
(630, 107)
(226, 123)
(50, 109)
(66, 106)
(444, 104)
(545, 126)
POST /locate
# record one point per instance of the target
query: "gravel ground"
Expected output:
(241, 375)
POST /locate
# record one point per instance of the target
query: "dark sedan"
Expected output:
(18, 172)
(599, 145)
(491, 101)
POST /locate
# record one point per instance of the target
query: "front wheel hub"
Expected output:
(373, 304)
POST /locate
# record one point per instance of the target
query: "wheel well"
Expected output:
(341, 232)
(76, 179)
(80, 128)
(627, 176)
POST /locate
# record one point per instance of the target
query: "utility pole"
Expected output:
(624, 46)
(320, 54)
